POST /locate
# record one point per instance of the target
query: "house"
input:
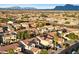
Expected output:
(24, 44)
(60, 41)
(10, 22)
(35, 50)
(25, 24)
(5, 29)
(24, 47)
(33, 32)
(5, 48)
(9, 38)
(17, 50)
(43, 42)
(32, 24)
(2, 24)
(1, 30)
(52, 34)
(43, 30)
(10, 28)
(50, 28)
(17, 26)
(30, 48)
(59, 33)
(57, 27)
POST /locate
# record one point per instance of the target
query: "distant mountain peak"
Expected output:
(67, 7)
(18, 8)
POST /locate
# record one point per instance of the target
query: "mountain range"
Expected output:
(18, 8)
(65, 7)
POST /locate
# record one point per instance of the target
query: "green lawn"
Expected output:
(44, 51)
(72, 36)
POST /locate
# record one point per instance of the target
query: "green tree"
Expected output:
(55, 21)
(67, 22)
(44, 51)
(23, 35)
(72, 36)
(43, 15)
(26, 34)
(10, 19)
(2, 20)
(10, 51)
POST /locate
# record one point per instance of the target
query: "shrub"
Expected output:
(67, 22)
(72, 36)
(44, 51)
(10, 51)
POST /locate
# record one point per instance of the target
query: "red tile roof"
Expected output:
(26, 41)
(12, 46)
(35, 49)
(52, 33)
(2, 24)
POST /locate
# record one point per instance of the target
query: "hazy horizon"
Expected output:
(38, 6)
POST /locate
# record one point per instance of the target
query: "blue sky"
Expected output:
(38, 6)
